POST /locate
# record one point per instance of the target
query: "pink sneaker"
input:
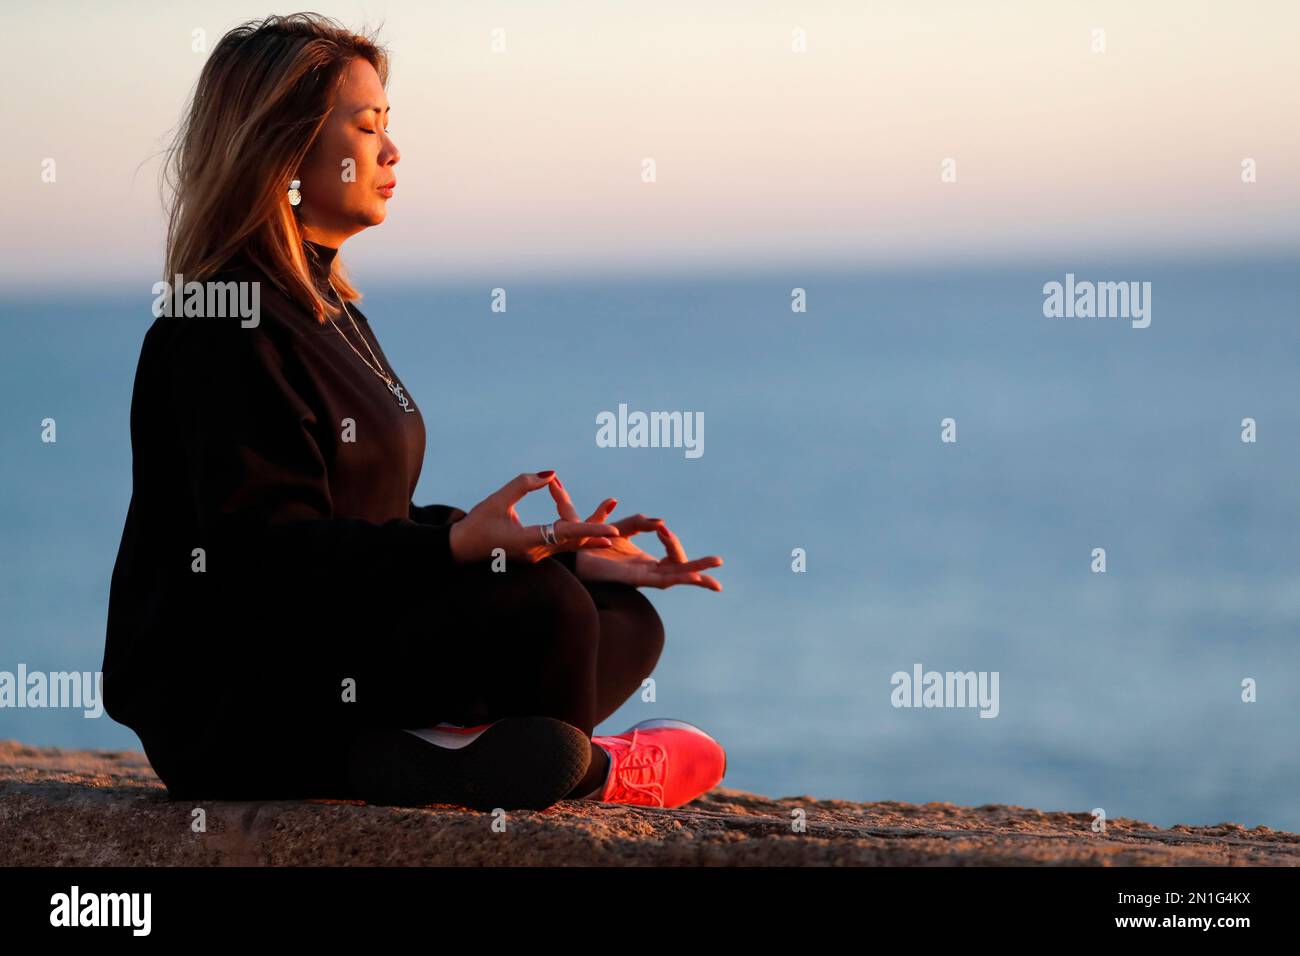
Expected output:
(661, 763)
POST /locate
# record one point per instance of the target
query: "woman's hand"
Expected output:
(623, 561)
(493, 523)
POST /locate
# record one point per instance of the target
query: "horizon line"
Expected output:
(730, 269)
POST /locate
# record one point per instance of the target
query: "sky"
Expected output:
(530, 158)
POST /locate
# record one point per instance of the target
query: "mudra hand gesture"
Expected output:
(621, 560)
(493, 523)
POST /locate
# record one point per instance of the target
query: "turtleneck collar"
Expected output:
(319, 259)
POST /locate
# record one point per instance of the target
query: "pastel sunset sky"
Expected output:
(530, 159)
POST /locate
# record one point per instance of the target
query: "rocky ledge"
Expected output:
(106, 807)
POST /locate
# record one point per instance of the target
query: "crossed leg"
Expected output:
(533, 641)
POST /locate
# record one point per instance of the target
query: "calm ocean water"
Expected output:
(1119, 690)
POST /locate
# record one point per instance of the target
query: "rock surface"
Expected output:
(106, 807)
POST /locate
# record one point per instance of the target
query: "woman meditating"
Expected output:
(284, 621)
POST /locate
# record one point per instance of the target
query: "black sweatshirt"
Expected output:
(239, 448)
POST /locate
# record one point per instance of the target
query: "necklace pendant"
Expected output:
(401, 396)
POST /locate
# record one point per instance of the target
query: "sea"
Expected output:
(904, 469)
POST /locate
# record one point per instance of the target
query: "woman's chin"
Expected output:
(372, 215)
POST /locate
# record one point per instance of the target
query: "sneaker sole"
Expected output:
(516, 763)
(681, 725)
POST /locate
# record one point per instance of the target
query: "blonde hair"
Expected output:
(260, 102)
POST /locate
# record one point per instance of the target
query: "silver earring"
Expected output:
(295, 196)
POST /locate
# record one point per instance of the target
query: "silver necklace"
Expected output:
(398, 392)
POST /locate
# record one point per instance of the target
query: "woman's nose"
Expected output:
(392, 155)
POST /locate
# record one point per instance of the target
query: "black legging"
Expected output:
(534, 640)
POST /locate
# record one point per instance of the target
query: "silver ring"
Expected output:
(548, 533)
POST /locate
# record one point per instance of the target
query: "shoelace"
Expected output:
(649, 756)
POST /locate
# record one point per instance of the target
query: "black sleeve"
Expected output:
(257, 474)
(435, 514)
(447, 514)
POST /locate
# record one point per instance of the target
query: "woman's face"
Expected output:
(347, 176)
